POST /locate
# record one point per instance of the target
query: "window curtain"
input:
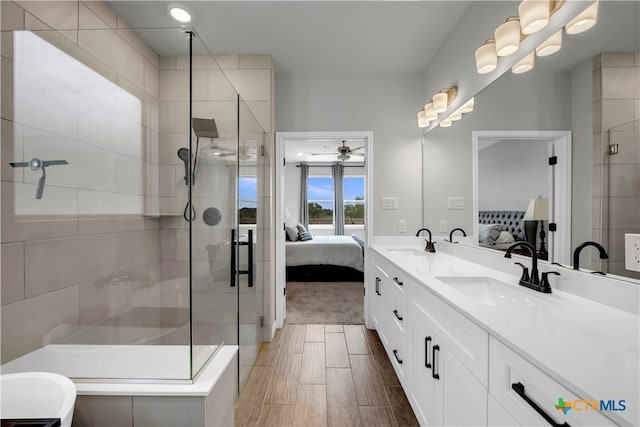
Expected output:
(304, 205)
(337, 171)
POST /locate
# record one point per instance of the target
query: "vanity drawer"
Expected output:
(467, 341)
(507, 369)
(399, 356)
(399, 311)
(396, 276)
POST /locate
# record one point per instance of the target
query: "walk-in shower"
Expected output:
(108, 281)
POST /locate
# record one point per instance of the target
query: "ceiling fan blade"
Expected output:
(357, 154)
(227, 154)
(332, 148)
(358, 148)
(323, 154)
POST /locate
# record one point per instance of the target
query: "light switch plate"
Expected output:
(389, 203)
(455, 203)
(632, 252)
(443, 225)
(402, 226)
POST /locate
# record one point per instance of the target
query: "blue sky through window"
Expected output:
(248, 191)
(353, 187)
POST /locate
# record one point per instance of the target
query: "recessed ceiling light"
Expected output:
(180, 15)
(299, 154)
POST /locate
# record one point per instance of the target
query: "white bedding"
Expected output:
(326, 250)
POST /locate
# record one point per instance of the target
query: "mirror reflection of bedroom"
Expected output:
(324, 216)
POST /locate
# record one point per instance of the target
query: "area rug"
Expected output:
(325, 302)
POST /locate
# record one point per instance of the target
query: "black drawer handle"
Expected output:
(427, 340)
(378, 286)
(395, 279)
(395, 312)
(519, 388)
(395, 354)
(434, 374)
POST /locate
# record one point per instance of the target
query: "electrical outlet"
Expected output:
(443, 225)
(632, 252)
(402, 226)
(455, 203)
(389, 203)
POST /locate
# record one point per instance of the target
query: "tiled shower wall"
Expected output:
(616, 178)
(77, 85)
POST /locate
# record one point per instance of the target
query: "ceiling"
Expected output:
(308, 36)
(307, 146)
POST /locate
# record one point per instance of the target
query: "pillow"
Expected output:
(292, 232)
(488, 233)
(305, 235)
(301, 228)
(505, 237)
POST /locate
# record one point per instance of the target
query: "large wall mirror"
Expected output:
(589, 91)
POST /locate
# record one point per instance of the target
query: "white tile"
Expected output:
(167, 63)
(138, 44)
(88, 20)
(11, 151)
(60, 15)
(12, 16)
(617, 59)
(131, 175)
(621, 82)
(174, 117)
(624, 181)
(262, 112)
(59, 263)
(174, 85)
(138, 248)
(168, 180)
(628, 147)
(106, 203)
(102, 11)
(200, 85)
(597, 84)
(254, 62)
(252, 85)
(623, 212)
(616, 113)
(12, 272)
(151, 79)
(227, 62)
(91, 224)
(43, 320)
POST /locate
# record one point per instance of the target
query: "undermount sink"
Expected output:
(408, 251)
(37, 395)
(487, 291)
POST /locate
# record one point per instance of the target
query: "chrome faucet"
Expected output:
(576, 254)
(430, 245)
(532, 282)
(456, 229)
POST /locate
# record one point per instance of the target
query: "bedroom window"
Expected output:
(353, 192)
(320, 200)
(248, 199)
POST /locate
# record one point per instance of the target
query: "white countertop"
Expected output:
(591, 348)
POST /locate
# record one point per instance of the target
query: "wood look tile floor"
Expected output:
(323, 375)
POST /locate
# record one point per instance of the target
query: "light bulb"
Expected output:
(525, 64)
(440, 102)
(584, 21)
(534, 15)
(508, 37)
(455, 116)
(467, 107)
(551, 45)
(180, 15)
(429, 112)
(486, 57)
(446, 123)
(422, 120)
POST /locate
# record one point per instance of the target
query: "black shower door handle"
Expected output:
(250, 256)
(232, 272)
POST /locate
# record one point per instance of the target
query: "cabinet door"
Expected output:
(460, 399)
(376, 299)
(422, 383)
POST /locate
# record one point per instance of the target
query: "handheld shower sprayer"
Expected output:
(183, 153)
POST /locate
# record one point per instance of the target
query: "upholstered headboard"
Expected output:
(513, 222)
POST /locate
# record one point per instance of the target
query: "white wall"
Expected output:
(448, 151)
(292, 192)
(384, 104)
(511, 173)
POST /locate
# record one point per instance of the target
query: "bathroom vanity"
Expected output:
(471, 347)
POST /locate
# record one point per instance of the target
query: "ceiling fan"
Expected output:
(244, 153)
(343, 151)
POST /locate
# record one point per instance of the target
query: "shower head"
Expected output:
(183, 154)
(204, 128)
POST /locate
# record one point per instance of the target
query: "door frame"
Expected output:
(559, 184)
(279, 238)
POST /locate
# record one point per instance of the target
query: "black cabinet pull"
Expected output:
(232, 273)
(395, 312)
(395, 354)
(395, 279)
(427, 340)
(434, 374)
(378, 286)
(519, 388)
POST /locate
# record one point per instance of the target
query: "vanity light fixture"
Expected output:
(429, 112)
(525, 64)
(422, 119)
(486, 57)
(455, 116)
(443, 98)
(551, 45)
(584, 20)
(508, 37)
(534, 15)
(180, 15)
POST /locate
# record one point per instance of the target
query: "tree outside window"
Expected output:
(248, 199)
(320, 200)
(353, 192)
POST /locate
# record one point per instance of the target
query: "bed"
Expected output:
(325, 259)
(512, 222)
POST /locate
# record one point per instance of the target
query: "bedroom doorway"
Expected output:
(321, 201)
